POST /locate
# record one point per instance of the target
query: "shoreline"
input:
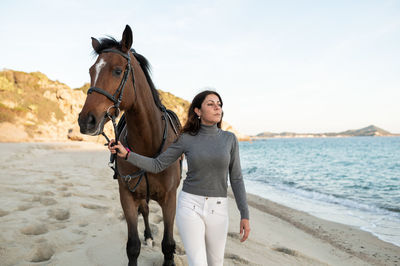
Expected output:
(348, 239)
(61, 207)
(336, 213)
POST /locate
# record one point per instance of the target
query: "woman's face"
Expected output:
(211, 110)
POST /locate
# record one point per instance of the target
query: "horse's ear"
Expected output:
(127, 39)
(95, 44)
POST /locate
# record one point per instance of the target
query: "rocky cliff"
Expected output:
(35, 108)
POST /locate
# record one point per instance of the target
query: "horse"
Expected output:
(120, 81)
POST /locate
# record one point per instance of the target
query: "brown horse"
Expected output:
(120, 80)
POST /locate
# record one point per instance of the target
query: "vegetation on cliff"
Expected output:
(23, 96)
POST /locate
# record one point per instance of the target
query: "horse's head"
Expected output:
(110, 81)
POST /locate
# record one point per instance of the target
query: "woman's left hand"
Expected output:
(244, 229)
(117, 148)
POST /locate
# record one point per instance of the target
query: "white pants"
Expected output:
(203, 226)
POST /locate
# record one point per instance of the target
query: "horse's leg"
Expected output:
(168, 243)
(130, 207)
(144, 210)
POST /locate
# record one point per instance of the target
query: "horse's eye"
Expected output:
(117, 71)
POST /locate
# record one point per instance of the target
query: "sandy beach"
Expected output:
(60, 206)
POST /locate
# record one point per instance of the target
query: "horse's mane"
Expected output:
(110, 42)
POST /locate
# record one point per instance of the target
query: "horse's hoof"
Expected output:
(149, 242)
(169, 263)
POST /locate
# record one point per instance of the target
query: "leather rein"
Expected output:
(117, 101)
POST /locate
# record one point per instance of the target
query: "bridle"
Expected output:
(117, 101)
(119, 92)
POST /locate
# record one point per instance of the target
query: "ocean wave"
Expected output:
(337, 199)
(250, 170)
(392, 209)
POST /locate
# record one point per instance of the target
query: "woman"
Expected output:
(211, 153)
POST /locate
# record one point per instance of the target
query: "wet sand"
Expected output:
(60, 206)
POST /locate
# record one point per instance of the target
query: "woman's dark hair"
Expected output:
(192, 125)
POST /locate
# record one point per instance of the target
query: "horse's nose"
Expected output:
(87, 124)
(91, 121)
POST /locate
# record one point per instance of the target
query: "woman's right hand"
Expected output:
(117, 148)
(244, 229)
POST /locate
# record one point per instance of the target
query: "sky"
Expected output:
(298, 66)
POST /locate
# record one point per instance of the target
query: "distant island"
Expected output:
(363, 132)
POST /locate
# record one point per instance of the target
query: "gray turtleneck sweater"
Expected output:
(211, 155)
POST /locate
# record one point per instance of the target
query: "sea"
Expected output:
(350, 180)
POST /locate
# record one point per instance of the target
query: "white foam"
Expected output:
(381, 223)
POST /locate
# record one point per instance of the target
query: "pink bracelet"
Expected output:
(127, 154)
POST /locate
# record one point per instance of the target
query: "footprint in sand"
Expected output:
(94, 206)
(46, 193)
(41, 252)
(179, 250)
(79, 232)
(121, 216)
(24, 207)
(40, 240)
(59, 214)
(154, 229)
(237, 260)
(35, 199)
(180, 261)
(98, 196)
(157, 219)
(20, 190)
(58, 174)
(154, 209)
(60, 226)
(63, 177)
(286, 251)
(48, 201)
(234, 235)
(35, 229)
(3, 213)
(83, 223)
